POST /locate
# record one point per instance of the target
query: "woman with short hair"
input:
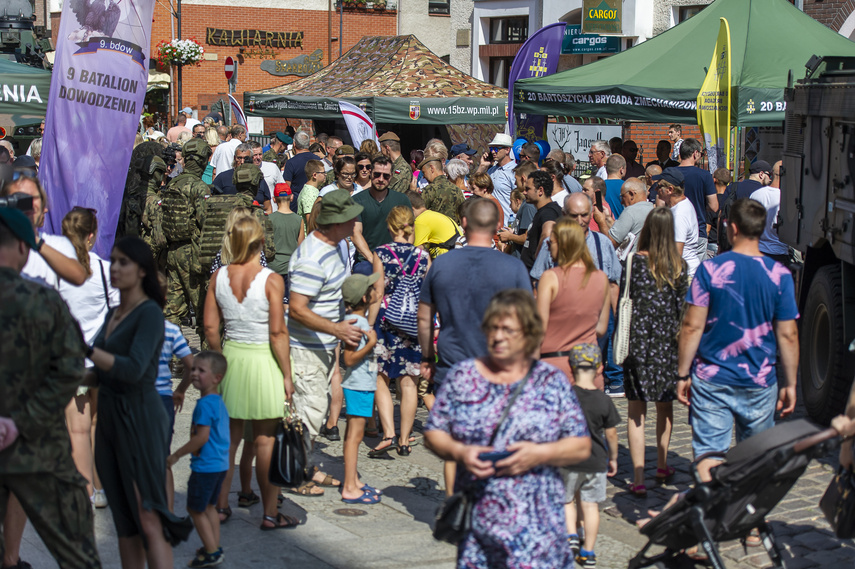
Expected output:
(518, 514)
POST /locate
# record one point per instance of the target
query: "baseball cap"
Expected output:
(338, 207)
(671, 175)
(389, 136)
(186, 110)
(355, 286)
(760, 166)
(282, 188)
(585, 356)
(19, 224)
(461, 148)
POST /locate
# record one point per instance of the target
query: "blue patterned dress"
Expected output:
(518, 521)
(397, 353)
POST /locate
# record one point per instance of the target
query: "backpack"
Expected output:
(178, 218)
(402, 306)
(216, 211)
(723, 215)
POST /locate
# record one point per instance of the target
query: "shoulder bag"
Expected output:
(454, 517)
(104, 284)
(403, 304)
(289, 465)
(624, 317)
(838, 503)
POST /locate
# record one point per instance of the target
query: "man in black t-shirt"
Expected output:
(538, 192)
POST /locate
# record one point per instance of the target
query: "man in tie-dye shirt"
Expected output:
(740, 323)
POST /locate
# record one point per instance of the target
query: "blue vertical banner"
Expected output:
(538, 57)
(96, 96)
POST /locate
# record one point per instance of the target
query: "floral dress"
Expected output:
(650, 368)
(397, 353)
(518, 521)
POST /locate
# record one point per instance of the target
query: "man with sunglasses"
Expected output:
(597, 155)
(499, 163)
(224, 182)
(371, 231)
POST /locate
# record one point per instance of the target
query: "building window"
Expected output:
(500, 70)
(687, 12)
(439, 7)
(509, 30)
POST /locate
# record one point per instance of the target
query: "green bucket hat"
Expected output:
(338, 207)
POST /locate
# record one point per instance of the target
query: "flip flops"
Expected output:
(368, 497)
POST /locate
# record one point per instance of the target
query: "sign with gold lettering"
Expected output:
(253, 38)
(602, 17)
(302, 65)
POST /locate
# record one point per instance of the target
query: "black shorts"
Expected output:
(203, 490)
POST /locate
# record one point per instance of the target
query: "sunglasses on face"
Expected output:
(364, 166)
(244, 159)
(384, 175)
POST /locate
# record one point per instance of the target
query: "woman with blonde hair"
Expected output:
(248, 299)
(224, 256)
(213, 140)
(658, 285)
(88, 304)
(399, 353)
(572, 298)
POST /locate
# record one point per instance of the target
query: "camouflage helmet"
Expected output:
(196, 149)
(153, 167)
(246, 178)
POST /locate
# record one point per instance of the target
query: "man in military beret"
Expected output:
(42, 349)
(402, 175)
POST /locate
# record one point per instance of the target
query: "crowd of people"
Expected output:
(514, 300)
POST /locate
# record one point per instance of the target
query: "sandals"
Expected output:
(404, 450)
(305, 489)
(281, 521)
(247, 500)
(638, 489)
(664, 475)
(227, 511)
(382, 452)
(367, 488)
(753, 539)
(327, 481)
(368, 497)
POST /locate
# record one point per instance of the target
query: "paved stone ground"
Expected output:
(396, 533)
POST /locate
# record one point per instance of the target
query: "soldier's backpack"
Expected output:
(178, 219)
(216, 211)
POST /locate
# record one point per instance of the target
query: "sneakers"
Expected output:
(330, 433)
(99, 499)
(587, 559)
(205, 559)
(573, 542)
(615, 392)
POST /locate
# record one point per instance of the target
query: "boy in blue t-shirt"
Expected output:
(359, 385)
(209, 461)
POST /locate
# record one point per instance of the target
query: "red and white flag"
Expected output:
(237, 113)
(358, 124)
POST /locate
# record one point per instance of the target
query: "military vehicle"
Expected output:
(20, 40)
(816, 218)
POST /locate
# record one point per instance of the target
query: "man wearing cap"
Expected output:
(191, 122)
(440, 194)
(699, 188)
(278, 144)
(180, 127)
(402, 174)
(499, 163)
(770, 196)
(224, 154)
(316, 322)
(42, 350)
(341, 152)
(685, 221)
(461, 151)
(371, 230)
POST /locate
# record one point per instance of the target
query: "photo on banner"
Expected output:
(97, 89)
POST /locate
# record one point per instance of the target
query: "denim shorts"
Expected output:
(203, 490)
(717, 408)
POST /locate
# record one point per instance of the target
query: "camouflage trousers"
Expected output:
(60, 512)
(182, 284)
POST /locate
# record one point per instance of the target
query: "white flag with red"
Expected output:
(358, 124)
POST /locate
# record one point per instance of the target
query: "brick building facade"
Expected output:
(832, 13)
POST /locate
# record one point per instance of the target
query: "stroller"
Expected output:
(755, 475)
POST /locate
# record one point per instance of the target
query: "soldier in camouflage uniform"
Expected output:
(344, 150)
(402, 174)
(42, 350)
(181, 205)
(440, 194)
(152, 171)
(278, 145)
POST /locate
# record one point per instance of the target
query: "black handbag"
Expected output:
(289, 466)
(454, 516)
(838, 504)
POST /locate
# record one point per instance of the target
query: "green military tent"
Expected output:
(23, 93)
(658, 80)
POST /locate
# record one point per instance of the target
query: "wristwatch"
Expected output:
(684, 377)
(39, 243)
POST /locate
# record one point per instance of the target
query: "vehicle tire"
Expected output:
(826, 363)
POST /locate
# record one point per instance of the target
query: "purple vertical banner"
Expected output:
(537, 57)
(96, 95)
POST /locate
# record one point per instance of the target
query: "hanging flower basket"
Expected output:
(179, 52)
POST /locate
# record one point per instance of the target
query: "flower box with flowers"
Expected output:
(179, 52)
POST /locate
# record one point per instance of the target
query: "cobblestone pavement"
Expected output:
(396, 533)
